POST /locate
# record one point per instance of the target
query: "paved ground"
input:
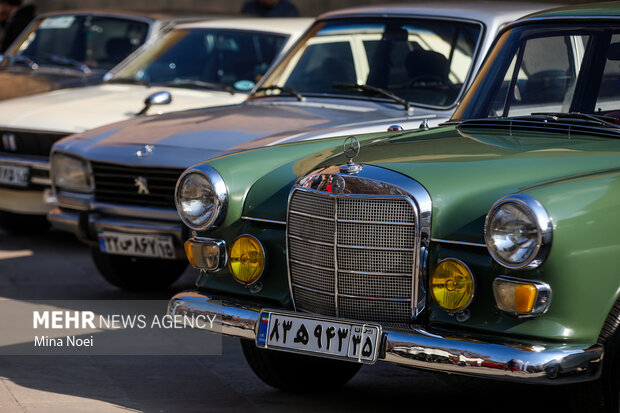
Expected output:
(55, 266)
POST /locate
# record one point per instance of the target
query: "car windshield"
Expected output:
(425, 61)
(559, 70)
(75, 41)
(202, 57)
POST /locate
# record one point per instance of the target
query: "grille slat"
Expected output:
(116, 184)
(375, 260)
(28, 143)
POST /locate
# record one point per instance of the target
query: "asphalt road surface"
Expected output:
(54, 266)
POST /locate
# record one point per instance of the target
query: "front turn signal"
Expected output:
(206, 253)
(522, 298)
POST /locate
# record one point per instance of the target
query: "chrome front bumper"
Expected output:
(86, 224)
(415, 347)
(26, 201)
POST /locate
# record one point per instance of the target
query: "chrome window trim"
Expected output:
(412, 191)
(543, 224)
(220, 201)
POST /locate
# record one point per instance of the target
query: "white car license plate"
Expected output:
(14, 175)
(157, 246)
(316, 335)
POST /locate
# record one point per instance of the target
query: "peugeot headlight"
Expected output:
(201, 197)
(518, 232)
(70, 172)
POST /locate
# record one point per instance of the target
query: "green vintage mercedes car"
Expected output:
(487, 247)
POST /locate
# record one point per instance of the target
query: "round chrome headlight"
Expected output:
(518, 232)
(201, 198)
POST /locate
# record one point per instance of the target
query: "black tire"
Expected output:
(296, 373)
(603, 395)
(137, 274)
(23, 224)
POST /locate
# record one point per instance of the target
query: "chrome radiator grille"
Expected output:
(352, 256)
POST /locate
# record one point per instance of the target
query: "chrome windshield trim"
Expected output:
(265, 220)
(469, 244)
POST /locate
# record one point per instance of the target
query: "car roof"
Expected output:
(608, 9)
(274, 25)
(127, 14)
(485, 12)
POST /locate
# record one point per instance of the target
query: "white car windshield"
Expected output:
(424, 61)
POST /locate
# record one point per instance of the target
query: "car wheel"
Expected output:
(296, 373)
(137, 274)
(23, 224)
(603, 395)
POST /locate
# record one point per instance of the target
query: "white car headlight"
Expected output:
(70, 172)
(518, 232)
(201, 198)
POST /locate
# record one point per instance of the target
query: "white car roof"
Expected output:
(293, 25)
(487, 12)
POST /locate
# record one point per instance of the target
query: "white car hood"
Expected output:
(81, 109)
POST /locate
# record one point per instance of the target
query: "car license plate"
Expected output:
(157, 246)
(14, 175)
(317, 335)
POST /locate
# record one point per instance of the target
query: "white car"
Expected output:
(195, 65)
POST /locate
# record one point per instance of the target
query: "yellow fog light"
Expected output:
(246, 260)
(521, 297)
(452, 285)
(206, 253)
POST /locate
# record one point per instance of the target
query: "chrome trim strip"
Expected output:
(305, 214)
(314, 290)
(268, 221)
(40, 164)
(41, 181)
(545, 363)
(136, 211)
(361, 247)
(361, 297)
(317, 267)
(469, 244)
(311, 241)
(356, 221)
(335, 256)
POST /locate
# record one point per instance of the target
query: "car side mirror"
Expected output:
(157, 98)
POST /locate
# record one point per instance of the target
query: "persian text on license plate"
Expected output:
(14, 175)
(156, 246)
(316, 335)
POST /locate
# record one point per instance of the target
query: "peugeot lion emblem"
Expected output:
(142, 184)
(350, 149)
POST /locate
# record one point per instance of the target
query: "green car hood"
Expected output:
(464, 172)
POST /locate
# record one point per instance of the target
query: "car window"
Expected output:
(226, 57)
(423, 61)
(608, 98)
(545, 78)
(98, 42)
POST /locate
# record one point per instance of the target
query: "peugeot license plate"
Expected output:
(137, 245)
(334, 338)
(14, 175)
